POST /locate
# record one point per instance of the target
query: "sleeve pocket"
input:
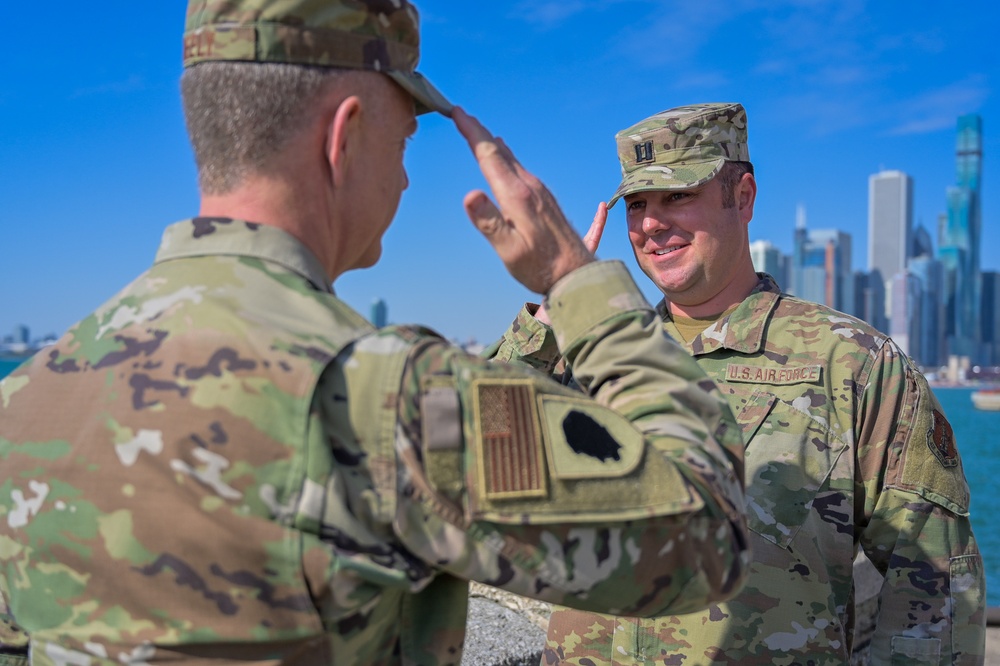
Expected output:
(907, 651)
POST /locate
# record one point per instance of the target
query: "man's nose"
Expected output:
(652, 223)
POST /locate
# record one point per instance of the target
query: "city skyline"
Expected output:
(96, 162)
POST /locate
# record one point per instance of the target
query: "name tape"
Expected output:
(778, 375)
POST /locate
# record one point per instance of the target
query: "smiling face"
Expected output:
(693, 248)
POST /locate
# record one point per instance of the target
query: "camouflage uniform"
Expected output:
(226, 464)
(846, 446)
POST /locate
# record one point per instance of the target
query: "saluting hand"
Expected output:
(528, 231)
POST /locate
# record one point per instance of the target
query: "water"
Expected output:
(7, 366)
(976, 433)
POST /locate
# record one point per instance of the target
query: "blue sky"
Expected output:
(94, 161)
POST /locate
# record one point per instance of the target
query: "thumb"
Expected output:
(593, 238)
(484, 214)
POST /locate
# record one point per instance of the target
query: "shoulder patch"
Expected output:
(931, 464)
(511, 463)
(581, 446)
(540, 454)
(941, 439)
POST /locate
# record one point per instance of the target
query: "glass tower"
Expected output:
(960, 241)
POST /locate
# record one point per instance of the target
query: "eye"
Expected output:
(638, 204)
(677, 196)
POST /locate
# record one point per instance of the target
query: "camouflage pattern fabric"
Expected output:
(376, 35)
(225, 464)
(680, 148)
(846, 447)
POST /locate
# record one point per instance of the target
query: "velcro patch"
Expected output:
(511, 459)
(586, 441)
(941, 439)
(776, 375)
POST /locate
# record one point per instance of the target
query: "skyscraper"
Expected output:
(379, 313)
(990, 318)
(959, 245)
(769, 259)
(823, 269)
(890, 222)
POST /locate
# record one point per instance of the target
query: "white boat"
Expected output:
(988, 399)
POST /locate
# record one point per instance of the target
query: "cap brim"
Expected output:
(427, 97)
(658, 177)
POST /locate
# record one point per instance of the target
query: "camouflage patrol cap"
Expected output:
(680, 148)
(377, 35)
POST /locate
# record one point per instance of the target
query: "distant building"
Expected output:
(869, 300)
(929, 350)
(906, 317)
(822, 267)
(922, 244)
(379, 313)
(22, 335)
(890, 222)
(990, 317)
(767, 258)
(959, 243)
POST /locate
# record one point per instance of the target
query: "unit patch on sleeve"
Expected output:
(941, 440)
(586, 441)
(776, 375)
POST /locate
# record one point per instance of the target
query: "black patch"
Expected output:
(644, 152)
(343, 456)
(941, 440)
(266, 592)
(186, 576)
(314, 353)
(505, 575)
(203, 226)
(376, 50)
(800, 569)
(69, 365)
(140, 383)
(587, 436)
(715, 614)
(133, 348)
(225, 356)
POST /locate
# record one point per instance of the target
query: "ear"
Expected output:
(342, 137)
(746, 195)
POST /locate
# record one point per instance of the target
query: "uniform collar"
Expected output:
(743, 329)
(202, 236)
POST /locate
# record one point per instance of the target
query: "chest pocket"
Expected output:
(789, 456)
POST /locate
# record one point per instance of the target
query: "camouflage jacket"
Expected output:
(846, 447)
(226, 464)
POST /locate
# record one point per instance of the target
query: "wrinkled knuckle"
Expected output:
(491, 225)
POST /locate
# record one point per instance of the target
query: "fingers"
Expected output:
(484, 214)
(593, 238)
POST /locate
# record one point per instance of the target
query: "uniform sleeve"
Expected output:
(916, 522)
(615, 499)
(527, 342)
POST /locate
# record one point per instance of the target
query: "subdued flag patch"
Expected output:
(511, 462)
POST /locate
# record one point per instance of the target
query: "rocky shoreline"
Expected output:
(507, 630)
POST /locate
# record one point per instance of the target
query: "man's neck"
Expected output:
(276, 203)
(733, 294)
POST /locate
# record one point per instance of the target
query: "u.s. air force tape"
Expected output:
(776, 375)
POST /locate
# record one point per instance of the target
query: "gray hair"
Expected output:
(240, 115)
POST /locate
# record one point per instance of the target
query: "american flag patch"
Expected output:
(511, 463)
